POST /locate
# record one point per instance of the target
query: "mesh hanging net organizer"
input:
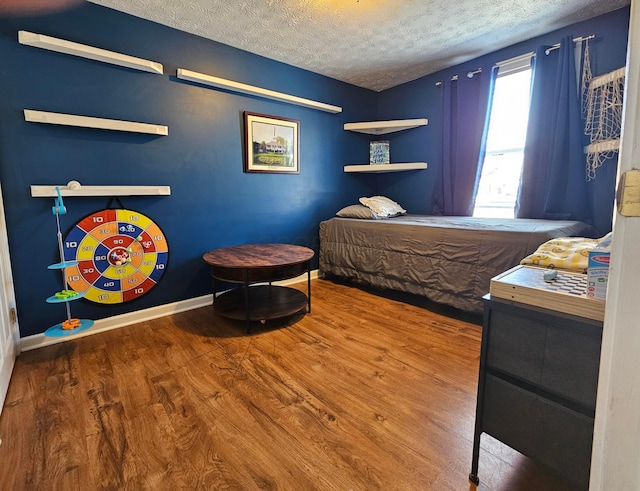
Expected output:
(602, 109)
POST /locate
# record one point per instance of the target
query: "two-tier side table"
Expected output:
(256, 266)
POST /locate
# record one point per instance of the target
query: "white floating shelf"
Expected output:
(34, 116)
(74, 188)
(383, 127)
(68, 47)
(222, 83)
(379, 168)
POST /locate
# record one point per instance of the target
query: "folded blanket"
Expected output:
(570, 253)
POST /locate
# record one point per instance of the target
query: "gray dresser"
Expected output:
(537, 385)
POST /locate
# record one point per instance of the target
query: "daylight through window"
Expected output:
(502, 167)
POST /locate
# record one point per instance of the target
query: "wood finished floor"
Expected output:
(364, 393)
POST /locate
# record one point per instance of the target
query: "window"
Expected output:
(500, 177)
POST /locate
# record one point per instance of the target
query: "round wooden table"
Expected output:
(249, 264)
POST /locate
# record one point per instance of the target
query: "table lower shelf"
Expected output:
(265, 302)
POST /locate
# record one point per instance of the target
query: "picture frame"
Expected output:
(271, 144)
(379, 152)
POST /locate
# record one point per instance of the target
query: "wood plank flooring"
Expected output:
(364, 393)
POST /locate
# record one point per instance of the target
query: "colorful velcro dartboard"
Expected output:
(121, 255)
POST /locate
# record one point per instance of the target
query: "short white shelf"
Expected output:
(34, 116)
(74, 188)
(384, 127)
(379, 168)
(69, 47)
(222, 83)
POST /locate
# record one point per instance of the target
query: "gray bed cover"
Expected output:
(449, 260)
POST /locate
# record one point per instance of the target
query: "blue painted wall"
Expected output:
(422, 98)
(213, 202)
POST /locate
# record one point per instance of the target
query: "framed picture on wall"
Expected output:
(379, 152)
(271, 144)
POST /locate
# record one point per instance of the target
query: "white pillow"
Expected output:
(382, 206)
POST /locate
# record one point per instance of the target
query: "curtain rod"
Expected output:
(575, 40)
(530, 54)
(469, 75)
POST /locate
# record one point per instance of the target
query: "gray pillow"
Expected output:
(357, 211)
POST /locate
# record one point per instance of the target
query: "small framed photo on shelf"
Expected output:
(379, 152)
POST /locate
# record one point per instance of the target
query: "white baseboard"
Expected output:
(117, 321)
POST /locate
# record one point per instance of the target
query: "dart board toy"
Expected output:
(121, 255)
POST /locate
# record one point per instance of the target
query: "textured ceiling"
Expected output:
(374, 44)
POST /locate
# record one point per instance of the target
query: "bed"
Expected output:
(449, 260)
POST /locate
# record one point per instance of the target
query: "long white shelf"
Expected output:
(379, 168)
(384, 127)
(74, 188)
(68, 47)
(222, 83)
(34, 116)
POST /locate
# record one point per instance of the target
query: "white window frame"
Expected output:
(505, 68)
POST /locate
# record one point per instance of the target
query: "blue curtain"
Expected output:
(553, 184)
(466, 105)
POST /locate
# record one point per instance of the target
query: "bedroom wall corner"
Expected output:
(213, 203)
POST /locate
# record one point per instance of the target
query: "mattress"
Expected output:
(449, 260)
